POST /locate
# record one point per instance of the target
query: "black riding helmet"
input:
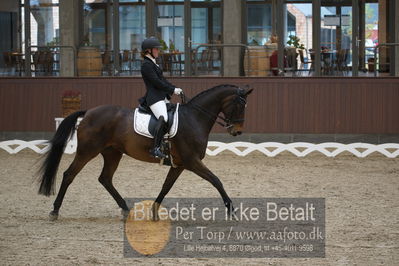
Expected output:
(150, 43)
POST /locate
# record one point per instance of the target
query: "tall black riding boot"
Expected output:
(160, 131)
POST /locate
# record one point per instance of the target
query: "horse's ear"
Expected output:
(248, 92)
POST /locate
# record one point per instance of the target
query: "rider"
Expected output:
(159, 91)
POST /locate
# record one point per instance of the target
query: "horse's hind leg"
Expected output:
(80, 160)
(112, 158)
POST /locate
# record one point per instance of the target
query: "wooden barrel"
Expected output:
(257, 61)
(89, 62)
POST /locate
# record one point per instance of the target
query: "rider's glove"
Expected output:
(178, 91)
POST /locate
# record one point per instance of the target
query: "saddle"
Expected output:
(145, 121)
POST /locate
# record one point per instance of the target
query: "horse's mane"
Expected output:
(211, 90)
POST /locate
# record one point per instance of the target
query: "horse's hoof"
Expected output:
(125, 213)
(231, 211)
(53, 216)
(155, 208)
(155, 217)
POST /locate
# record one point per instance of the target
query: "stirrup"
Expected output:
(157, 153)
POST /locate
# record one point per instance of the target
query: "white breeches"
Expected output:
(159, 108)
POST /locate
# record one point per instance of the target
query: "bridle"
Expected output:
(239, 100)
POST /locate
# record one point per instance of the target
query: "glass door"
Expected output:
(370, 32)
(170, 30)
(336, 40)
(42, 57)
(206, 30)
(170, 26)
(98, 24)
(132, 32)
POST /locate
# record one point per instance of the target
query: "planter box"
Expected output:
(70, 105)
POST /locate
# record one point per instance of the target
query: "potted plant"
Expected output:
(164, 45)
(71, 102)
(295, 42)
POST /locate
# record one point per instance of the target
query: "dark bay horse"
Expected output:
(109, 130)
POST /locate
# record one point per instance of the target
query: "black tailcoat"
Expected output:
(158, 88)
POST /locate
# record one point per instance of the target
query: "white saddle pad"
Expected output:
(141, 122)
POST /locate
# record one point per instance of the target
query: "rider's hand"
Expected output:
(178, 91)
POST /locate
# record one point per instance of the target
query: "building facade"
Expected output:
(204, 38)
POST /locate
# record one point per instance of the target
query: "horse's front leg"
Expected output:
(173, 174)
(200, 169)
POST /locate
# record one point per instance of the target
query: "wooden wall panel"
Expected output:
(277, 105)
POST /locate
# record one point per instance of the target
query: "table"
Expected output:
(327, 59)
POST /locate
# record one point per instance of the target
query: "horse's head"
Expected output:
(233, 108)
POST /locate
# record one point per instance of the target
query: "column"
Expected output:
(281, 21)
(115, 36)
(232, 12)
(383, 15)
(316, 28)
(108, 26)
(150, 18)
(394, 33)
(362, 35)
(187, 38)
(355, 37)
(69, 35)
(274, 16)
(339, 29)
(27, 39)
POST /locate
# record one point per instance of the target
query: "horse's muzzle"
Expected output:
(234, 132)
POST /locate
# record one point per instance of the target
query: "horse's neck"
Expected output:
(206, 107)
(212, 101)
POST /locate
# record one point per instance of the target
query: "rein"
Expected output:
(227, 121)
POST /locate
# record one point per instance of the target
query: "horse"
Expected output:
(108, 130)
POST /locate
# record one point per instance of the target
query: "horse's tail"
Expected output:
(48, 170)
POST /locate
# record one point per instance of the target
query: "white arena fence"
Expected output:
(270, 149)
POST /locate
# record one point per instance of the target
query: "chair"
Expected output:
(19, 64)
(135, 61)
(204, 60)
(165, 62)
(274, 64)
(327, 62)
(42, 61)
(35, 62)
(312, 59)
(291, 56)
(56, 61)
(125, 62)
(176, 63)
(7, 61)
(304, 63)
(48, 62)
(213, 60)
(107, 63)
(340, 64)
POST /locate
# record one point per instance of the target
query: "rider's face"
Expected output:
(155, 52)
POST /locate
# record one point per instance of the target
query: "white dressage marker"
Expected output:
(301, 149)
(270, 149)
